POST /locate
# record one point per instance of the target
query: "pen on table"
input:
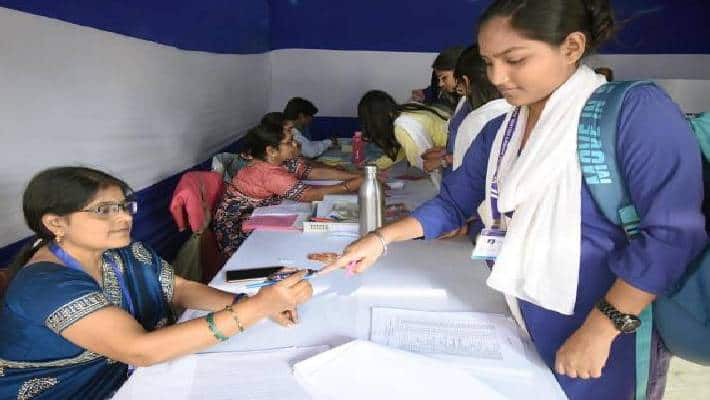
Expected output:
(279, 276)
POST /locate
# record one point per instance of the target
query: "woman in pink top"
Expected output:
(273, 175)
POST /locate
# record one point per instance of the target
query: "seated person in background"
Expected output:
(85, 302)
(482, 97)
(300, 112)
(278, 119)
(401, 131)
(442, 90)
(271, 177)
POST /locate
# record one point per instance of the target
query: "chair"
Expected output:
(193, 204)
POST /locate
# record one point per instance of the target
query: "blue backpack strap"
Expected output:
(596, 149)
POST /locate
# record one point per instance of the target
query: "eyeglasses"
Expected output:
(111, 209)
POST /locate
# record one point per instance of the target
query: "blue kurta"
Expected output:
(453, 128)
(661, 164)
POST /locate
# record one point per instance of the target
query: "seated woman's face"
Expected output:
(288, 148)
(105, 223)
(446, 80)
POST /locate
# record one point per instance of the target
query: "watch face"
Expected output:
(628, 324)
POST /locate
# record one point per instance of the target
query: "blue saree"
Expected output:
(36, 362)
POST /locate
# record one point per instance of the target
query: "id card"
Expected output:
(488, 244)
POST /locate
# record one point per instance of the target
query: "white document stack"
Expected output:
(364, 370)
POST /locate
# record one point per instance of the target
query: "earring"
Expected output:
(59, 237)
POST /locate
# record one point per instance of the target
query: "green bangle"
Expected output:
(213, 328)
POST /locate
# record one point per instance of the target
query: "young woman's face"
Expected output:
(525, 71)
(446, 80)
(103, 224)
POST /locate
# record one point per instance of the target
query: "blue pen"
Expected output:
(279, 276)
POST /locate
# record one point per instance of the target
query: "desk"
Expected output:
(421, 275)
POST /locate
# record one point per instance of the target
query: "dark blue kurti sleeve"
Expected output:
(462, 190)
(661, 164)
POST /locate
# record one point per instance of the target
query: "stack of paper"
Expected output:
(486, 343)
(289, 215)
(488, 346)
(257, 375)
(286, 207)
(364, 370)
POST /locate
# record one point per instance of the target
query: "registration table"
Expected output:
(418, 275)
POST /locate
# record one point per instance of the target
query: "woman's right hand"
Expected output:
(354, 183)
(285, 295)
(363, 252)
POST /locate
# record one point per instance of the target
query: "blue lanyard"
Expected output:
(509, 130)
(73, 263)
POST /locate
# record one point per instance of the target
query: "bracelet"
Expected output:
(381, 238)
(213, 328)
(235, 318)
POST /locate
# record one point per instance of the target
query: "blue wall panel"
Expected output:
(649, 26)
(218, 26)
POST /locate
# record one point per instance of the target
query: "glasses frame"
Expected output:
(130, 207)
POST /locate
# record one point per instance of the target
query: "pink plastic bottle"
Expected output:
(358, 149)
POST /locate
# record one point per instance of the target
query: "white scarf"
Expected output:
(539, 260)
(473, 123)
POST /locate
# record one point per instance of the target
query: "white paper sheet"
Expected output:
(257, 375)
(286, 207)
(485, 343)
(364, 370)
(488, 346)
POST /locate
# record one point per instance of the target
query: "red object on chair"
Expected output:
(195, 197)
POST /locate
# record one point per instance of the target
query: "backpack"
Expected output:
(681, 316)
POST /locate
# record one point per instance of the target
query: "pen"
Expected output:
(279, 276)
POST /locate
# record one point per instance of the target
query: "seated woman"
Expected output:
(271, 177)
(85, 302)
(279, 119)
(401, 131)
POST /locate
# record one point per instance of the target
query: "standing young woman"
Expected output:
(85, 302)
(577, 283)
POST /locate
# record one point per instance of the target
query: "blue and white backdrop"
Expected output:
(147, 89)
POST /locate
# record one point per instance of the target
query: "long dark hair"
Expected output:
(480, 89)
(377, 111)
(551, 21)
(60, 191)
(269, 133)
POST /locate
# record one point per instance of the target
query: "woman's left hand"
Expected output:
(585, 353)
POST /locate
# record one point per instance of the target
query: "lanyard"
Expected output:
(73, 263)
(509, 130)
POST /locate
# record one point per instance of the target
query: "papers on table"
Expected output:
(488, 343)
(289, 215)
(488, 346)
(364, 370)
(237, 375)
(286, 207)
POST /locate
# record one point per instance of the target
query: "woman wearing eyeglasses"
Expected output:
(274, 174)
(85, 302)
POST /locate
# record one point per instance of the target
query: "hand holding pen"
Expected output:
(281, 298)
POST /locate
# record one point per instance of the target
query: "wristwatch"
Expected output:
(624, 323)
